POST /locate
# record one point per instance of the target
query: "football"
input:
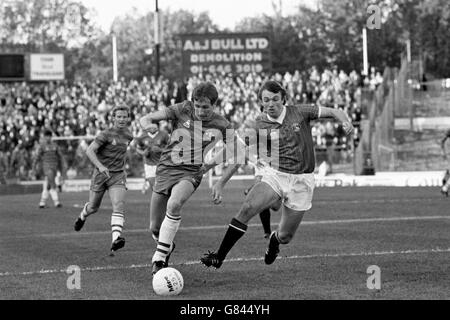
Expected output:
(168, 282)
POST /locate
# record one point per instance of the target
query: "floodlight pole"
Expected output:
(157, 38)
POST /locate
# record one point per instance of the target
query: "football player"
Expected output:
(108, 153)
(197, 128)
(52, 160)
(291, 180)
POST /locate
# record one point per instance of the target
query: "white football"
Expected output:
(168, 282)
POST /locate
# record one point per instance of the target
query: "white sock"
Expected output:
(167, 233)
(117, 221)
(44, 196)
(54, 195)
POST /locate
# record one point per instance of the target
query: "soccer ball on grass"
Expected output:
(168, 282)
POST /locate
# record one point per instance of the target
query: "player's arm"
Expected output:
(62, 164)
(339, 115)
(217, 189)
(91, 153)
(154, 117)
(227, 152)
(36, 159)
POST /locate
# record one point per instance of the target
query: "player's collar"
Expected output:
(280, 118)
(152, 135)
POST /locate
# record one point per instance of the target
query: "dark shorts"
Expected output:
(100, 182)
(167, 177)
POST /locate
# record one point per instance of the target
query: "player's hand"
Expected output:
(105, 171)
(348, 127)
(216, 193)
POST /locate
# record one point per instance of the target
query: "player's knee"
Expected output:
(285, 237)
(247, 209)
(174, 208)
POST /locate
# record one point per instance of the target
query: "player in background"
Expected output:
(445, 180)
(108, 153)
(52, 161)
(150, 145)
(197, 128)
(291, 181)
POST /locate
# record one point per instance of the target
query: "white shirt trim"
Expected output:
(320, 112)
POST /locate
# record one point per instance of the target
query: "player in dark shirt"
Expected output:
(108, 153)
(446, 180)
(52, 161)
(197, 128)
(150, 145)
(290, 178)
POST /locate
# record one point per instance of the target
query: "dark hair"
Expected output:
(48, 133)
(272, 86)
(120, 108)
(205, 90)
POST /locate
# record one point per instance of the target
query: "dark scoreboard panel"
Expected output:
(12, 66)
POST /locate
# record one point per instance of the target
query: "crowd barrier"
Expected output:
(380, 179)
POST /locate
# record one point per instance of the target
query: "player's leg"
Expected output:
(91, 207)
(117, 195)
(299, 194)
(181, 192)
(265, 221)
(446, 183)
(290, 220)
(261, 197)
(45, 194)
(51, 175)
(158, 207)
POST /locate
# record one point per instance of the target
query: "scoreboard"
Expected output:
(32, 67)
(12, 67)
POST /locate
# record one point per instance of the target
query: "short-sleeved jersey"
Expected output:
(191, 138)
(113, 144)
(295, 144)
(147, 142)
(51, 156)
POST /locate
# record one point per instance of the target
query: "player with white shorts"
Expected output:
(290, 176)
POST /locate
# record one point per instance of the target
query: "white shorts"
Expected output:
(295, 190)
(150, 171)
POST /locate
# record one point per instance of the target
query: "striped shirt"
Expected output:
(187, 154)
(148, 143)
(51, 156)
(113, 144)
(296, 147)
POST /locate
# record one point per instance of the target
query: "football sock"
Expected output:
(265, 220)
(44, 196)
(236, 230)
(117, 220)
(54, 195)
(167, 232)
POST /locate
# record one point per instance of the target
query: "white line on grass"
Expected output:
(209, 204)
(212, 227)
(311, 256)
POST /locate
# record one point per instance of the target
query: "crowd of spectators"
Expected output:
(81, 109)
